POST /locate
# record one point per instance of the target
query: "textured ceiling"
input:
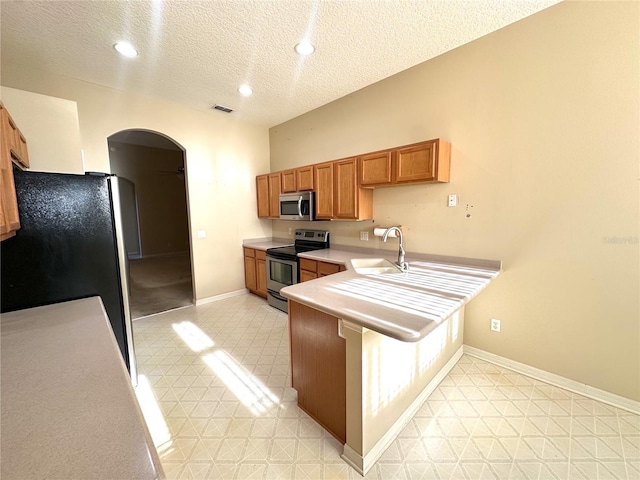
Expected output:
(197, 53)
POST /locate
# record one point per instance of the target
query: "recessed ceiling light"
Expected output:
(305, 48)
(126, 49)
(245, 90)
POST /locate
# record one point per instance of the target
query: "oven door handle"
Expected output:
(284, 257)
(300, 207)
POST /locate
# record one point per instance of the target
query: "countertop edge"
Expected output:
(353, 252)
(265, 243)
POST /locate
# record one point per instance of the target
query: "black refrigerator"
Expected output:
(69, 246)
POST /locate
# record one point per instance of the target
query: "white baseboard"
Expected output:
(363, 464)
(222, 296)
(556, 380)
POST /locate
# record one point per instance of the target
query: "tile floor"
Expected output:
(214, 387)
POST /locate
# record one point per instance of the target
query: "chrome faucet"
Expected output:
(404, 266)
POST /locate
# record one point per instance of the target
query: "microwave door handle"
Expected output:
(300, 207)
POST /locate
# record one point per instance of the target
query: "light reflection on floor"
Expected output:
(482, 421)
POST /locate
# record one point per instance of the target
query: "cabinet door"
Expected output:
(346, 189)
(375, 169)
(22, 148)
(250, 273)
(304, 178)
(318, 367)
(274, 195)
(416, 163)
(323, 177)
(289, 181)
(262, 192)
(261, 277)
(9, 218)
(10, 133)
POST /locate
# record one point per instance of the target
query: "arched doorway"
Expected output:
(151, 168)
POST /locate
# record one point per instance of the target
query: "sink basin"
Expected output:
(374, 266)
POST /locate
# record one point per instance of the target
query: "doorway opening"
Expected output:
(153, 192)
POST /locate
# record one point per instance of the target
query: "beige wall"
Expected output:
(543, 119)
(51, 128)
(222, 159)
(161, 196)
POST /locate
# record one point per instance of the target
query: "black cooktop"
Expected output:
(306, 241)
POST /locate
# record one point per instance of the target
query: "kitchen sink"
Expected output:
(374, 266)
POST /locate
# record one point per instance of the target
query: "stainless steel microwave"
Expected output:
(297, 206)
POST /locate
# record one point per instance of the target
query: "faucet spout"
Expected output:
(404, 266)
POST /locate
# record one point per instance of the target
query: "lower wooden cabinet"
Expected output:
(255, 271)
(318, 367)
(310, 269)
(261, 273)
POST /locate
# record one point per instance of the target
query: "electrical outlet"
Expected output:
(290, 231)
(495, 325)
(364, 236)
(452, 201)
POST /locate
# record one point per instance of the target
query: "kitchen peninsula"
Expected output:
(68, 408)
(367, 350)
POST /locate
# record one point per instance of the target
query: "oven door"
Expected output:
(281, 273)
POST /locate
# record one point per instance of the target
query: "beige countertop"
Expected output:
(68, 408)
(264, 243)
(404, 305)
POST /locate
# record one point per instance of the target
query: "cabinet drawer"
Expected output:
(305, 276)
(261, 254)
(249, 252)
(309, 265)
(325, 268)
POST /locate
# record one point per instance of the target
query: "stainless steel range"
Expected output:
(282, 263)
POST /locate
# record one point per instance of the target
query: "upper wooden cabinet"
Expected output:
(12, 142)
(419, 162)
(375, 168)
(262, 189)
(297, 179)
(323, 179)
(274, 195)
(338, 195)
(289, 181)
(422, 162)
(350, 201)
(268, 195)
(344, 187)
(304, 178)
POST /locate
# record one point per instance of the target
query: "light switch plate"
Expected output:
(452, 201)
(202, 234)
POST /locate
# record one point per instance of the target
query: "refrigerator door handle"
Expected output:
(124, 277)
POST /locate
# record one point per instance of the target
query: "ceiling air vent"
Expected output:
(223, 108)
